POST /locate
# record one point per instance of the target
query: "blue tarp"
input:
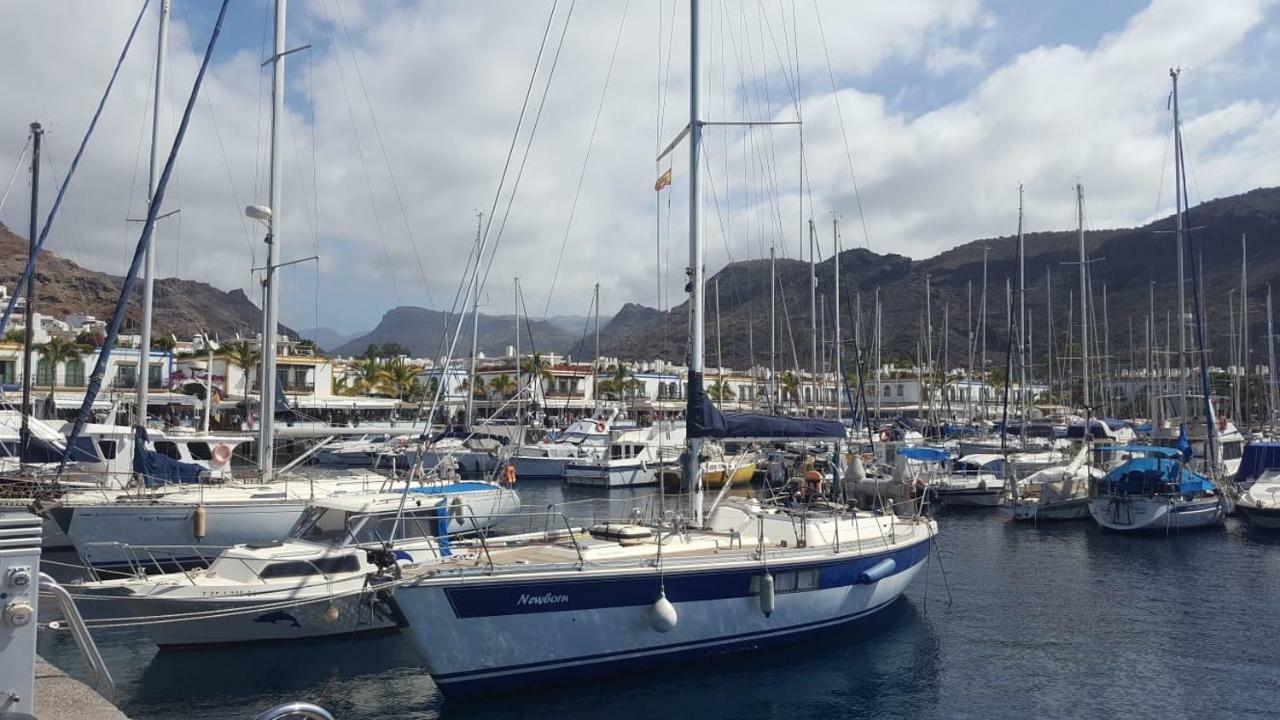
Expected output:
(1152, 476)
(704, 420)
(158, 468)
(925, 454)
(1259, 457)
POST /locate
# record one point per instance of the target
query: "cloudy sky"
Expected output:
(401, 116)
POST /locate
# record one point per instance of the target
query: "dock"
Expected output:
(62, 697)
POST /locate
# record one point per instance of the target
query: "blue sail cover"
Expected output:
(704, 420)
(924, 454)
(1259, 457)
(158, 468)
(1154, 476)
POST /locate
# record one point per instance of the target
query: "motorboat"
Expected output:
(333, 575)
(1172, 429)
(1155, 490)
(634, 458)
(973, 481)
(585, 439)
(1258, 483)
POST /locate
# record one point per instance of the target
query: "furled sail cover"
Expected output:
(1259, 457)
(704, 420)
(159, 469)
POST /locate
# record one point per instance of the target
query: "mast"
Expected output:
(270, 303)
(879, 366)
(839, 369)
(695, 270)
(1048, 334)
(1151, 356)
(515, 297)
(475, 322)
(1182, 278)
(719, 357)
(982, 330)
(1244, 329)
(813, 308)
(28, 333)
(968, 319)
(1084, 304)
(153, 175)
(774, 400)
(1273, 405)
(1022, 325)
(927, 326)
(595, 364)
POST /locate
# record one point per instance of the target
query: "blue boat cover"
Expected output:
(1154, 476)
(1259, 457)
(704, 420)
(925, 454)
(158, 468)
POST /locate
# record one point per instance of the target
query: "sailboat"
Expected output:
(662, 586)
(190, 522)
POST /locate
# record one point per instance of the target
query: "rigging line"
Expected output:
(715, 198)
(848, 154)
(382, 147)
(74, 234)
(75, 162)
(231, 180)
(528, 146)
(364, 167)
(137, 161)
(16, 166)
(315, 191)
(582, 174)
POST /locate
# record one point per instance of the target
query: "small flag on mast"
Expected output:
(663, 181)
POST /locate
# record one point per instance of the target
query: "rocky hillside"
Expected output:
(421, 332)
(1126, 261)
(182, 307)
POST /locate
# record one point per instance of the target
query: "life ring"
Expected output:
(402, 442)
(1222, 423)
(600, 426)
(509, 474)
(885, 436)
(221, 453)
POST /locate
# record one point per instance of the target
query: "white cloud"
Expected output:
(445, 84)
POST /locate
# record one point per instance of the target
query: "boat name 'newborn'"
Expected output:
(547, 599)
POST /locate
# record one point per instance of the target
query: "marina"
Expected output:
(815, 479)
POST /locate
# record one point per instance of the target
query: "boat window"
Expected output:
(420, 523)
(1232, 450)
(789, 582)
(303, 568)
(321, 525)
(200, 450)
(169, 448)
(108, 448)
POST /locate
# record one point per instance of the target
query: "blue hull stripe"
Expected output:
(514, 677)
(490, 600)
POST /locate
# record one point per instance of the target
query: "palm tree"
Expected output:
(790, 385)
(479, 389)
(401, 377)
(618, 382)
(243, 355)
(536, 367)
(502, 386)
(370, 376)
(55, 352)
(719, 391)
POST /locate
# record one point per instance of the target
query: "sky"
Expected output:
(917, 120)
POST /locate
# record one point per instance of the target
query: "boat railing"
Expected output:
(138, 558)
(102, 681)
(556, 526)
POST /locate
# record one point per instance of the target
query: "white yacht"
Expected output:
(584, 439)
(1168, 431)
(1258, 481)
(334, 575)
(1056, 493)
(633, 458)
(974, 481)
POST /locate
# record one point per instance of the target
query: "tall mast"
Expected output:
(839, 370)
(1084, 303)
(695, 270)
(982, 330)
(1272, 403)
(719, 356)
(28, 333)
(813, 307)
(879, 390)
(475, 322)
(595, 364)
(153, 175)
(927, 327)
(968, 319)
(1244, 330)
(1182, 253)
(1048, 333)
(270, 302)
(774, 400)
(1022, 325)
(515, 298)
(1151, 356)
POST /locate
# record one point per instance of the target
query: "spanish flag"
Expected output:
(663, 181)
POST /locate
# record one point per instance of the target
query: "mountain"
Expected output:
(1124, 261)
(421, 331)
(327, 338)
(182, 307)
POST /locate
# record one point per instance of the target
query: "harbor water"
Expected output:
(1009, 621)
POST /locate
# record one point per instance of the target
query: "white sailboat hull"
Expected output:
(502, 633)
(613, 476)
(1131, 514)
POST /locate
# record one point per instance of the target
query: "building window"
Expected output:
(126, 376)
(154, 375)
(899, 391)
(44, 373)
(7, 371)
(74, 371)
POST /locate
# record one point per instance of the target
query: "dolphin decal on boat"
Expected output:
(277, 617)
